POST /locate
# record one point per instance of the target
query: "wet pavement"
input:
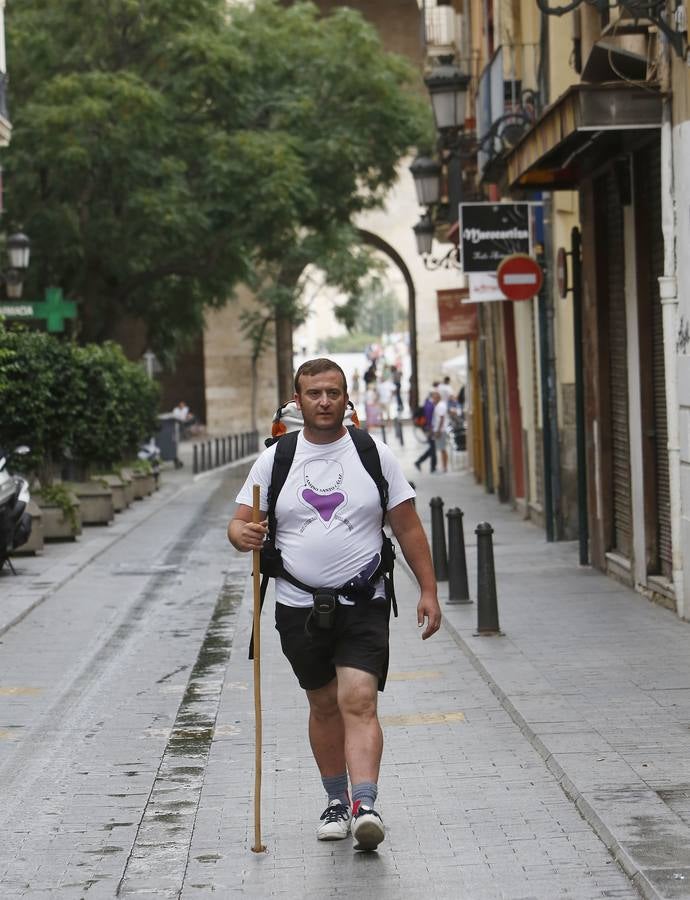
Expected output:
(519, 766)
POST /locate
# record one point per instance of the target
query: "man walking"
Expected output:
(439, 422)
(430, 453)
(328, 529)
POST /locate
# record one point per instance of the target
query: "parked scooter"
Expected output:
(15, 521)
(151, 452)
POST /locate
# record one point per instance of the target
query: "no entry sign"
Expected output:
(519, 276)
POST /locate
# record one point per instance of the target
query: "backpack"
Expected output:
(271, 564)
(288, 418)
(419, 417)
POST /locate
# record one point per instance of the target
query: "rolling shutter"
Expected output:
(621, 506)
(650, 188)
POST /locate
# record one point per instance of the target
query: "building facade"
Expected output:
(581, 396)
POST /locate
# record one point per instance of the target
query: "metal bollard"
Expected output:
(195, 459)
(223, 451)
(438, 539)
(217, 452)
(237, 446)
(203, 457)
(458, 587)
(487, 607)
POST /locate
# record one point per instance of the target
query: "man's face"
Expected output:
(322, 400)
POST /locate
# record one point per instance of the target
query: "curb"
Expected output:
(584, 807)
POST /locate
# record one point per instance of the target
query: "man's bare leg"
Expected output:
(357, 699)
(327, 738)
(326, 729)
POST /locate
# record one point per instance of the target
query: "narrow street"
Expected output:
(108, 697)
(127, 741)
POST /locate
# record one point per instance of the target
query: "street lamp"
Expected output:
(18, 252)
(447, 86)
(424, 233)
(426, 173)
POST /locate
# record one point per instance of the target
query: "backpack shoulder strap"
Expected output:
(370, 459)
(282, 462)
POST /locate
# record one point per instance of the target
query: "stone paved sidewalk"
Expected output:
(596, 677)
(516, 766)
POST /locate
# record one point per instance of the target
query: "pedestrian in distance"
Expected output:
(430, 452)
(396, 376)
(327, 525)
(439, 423)
(185, 417)
(445, 389)
(355, 387)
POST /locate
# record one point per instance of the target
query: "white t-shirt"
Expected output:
(328, 513)
(445, 390)
(440, 410)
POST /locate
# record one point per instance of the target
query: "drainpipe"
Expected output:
(668, 289)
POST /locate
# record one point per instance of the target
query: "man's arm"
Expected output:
(410, 535)
(245, 535)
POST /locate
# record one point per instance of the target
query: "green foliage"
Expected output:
(88, 402)
(38, 386)
(60, 496)
(119, 408)
(143, 466)
(162, 151)
(353, 342)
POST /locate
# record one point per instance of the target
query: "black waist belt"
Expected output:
(272, 567)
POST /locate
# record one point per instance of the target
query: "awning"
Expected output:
(587, 124)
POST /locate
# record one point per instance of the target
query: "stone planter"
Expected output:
(143, 485)
(128, 484)
(35, 542)
(95, 502)
(117, 487)
(56, 525)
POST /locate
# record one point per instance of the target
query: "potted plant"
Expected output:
(60, 515)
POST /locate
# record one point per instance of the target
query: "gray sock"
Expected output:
(336, 788)
(366, 792)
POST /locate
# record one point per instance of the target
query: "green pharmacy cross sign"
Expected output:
(54, 309)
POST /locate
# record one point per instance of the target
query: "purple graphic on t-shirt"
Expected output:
(322, 491)
(324, 505)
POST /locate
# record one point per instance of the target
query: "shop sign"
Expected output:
(457, 318)
(491, 231)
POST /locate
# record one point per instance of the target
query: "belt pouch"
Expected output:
(325, 603)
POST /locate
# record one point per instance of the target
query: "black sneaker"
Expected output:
(367, 827)
(335, 822)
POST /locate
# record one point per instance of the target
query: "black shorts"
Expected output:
(359, 639)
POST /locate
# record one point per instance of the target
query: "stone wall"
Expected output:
(228, 376)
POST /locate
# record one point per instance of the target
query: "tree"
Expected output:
(349, 111)
(172, 148)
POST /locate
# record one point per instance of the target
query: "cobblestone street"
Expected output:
(510, 770)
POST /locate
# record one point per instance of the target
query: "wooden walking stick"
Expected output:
(256, 578)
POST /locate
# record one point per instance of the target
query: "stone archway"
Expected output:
(374, 240)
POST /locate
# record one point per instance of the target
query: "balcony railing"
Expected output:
(508, 84)
(440, 27)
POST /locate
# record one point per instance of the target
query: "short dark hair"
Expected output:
(316, 367)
